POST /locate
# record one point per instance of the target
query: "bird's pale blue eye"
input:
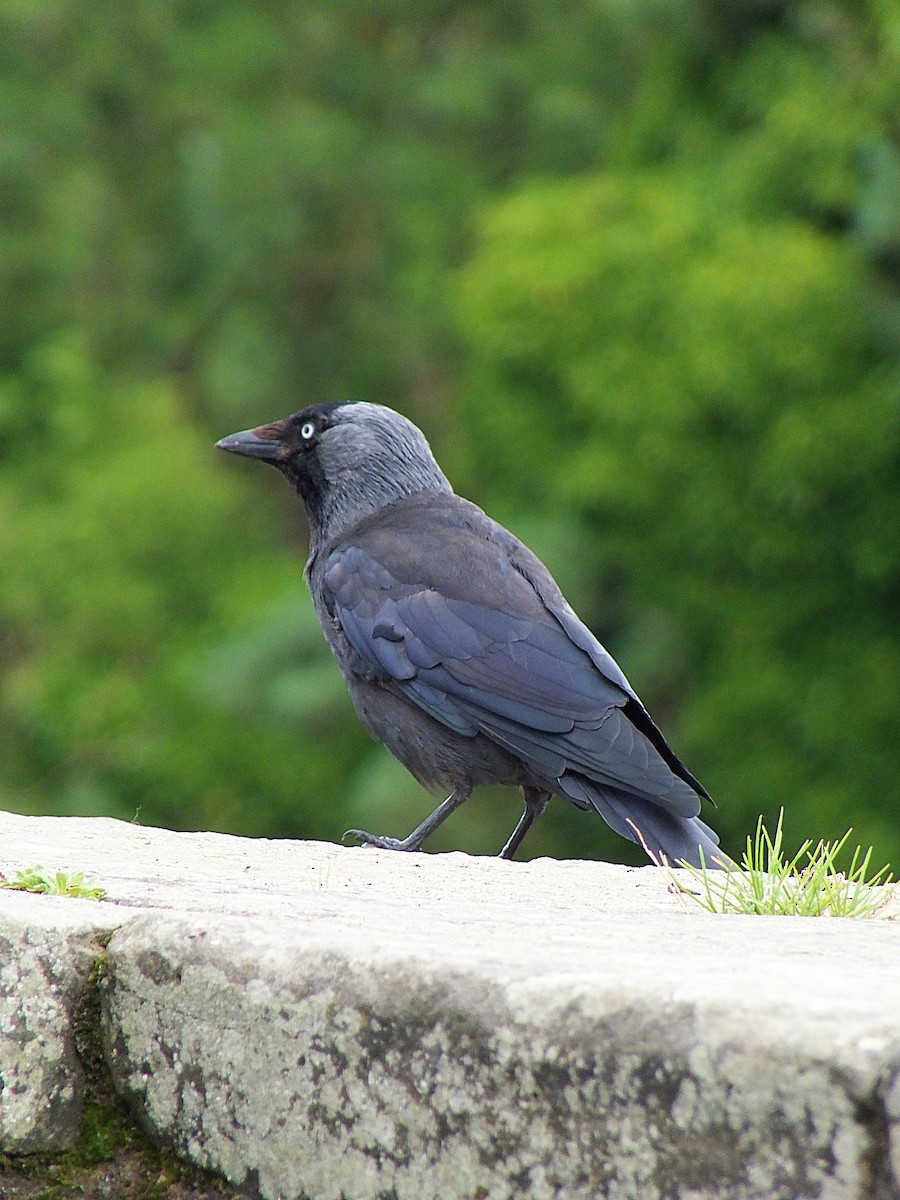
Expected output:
(307, 431)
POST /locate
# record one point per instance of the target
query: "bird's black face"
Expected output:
(286, 444)
(346, 460)
(290, 445)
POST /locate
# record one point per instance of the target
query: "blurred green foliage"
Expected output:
(635, 268)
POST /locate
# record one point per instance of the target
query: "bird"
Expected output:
(458, 648)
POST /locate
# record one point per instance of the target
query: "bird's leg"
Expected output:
(536, 800)
(418, 835)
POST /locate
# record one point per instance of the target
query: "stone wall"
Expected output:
(307, 1020)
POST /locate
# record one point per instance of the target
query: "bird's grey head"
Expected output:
(347, 461)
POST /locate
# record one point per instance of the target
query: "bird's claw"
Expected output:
(374, 839)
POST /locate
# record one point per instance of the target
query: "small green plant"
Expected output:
(52, 883)
(809, 884)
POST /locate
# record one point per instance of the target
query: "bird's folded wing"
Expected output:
(510, 670)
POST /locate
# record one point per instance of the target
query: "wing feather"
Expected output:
(515, 664)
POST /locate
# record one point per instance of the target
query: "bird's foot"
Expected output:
(382, 843)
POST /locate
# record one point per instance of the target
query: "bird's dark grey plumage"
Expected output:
(460, 652)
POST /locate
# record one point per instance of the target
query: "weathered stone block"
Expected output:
(361, 1069)
(48, 947)
(313, 1021)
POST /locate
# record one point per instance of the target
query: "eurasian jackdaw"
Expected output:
(459, 649)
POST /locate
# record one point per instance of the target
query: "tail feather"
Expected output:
(679, 839)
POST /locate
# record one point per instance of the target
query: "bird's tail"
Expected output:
(662, 833)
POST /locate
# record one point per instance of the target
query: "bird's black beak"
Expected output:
(266, 442)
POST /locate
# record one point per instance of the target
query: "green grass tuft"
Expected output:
(807, 884)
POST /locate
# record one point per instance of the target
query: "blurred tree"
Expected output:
(699, 357)
(684, 283)
(708, 396)
(128, 570)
